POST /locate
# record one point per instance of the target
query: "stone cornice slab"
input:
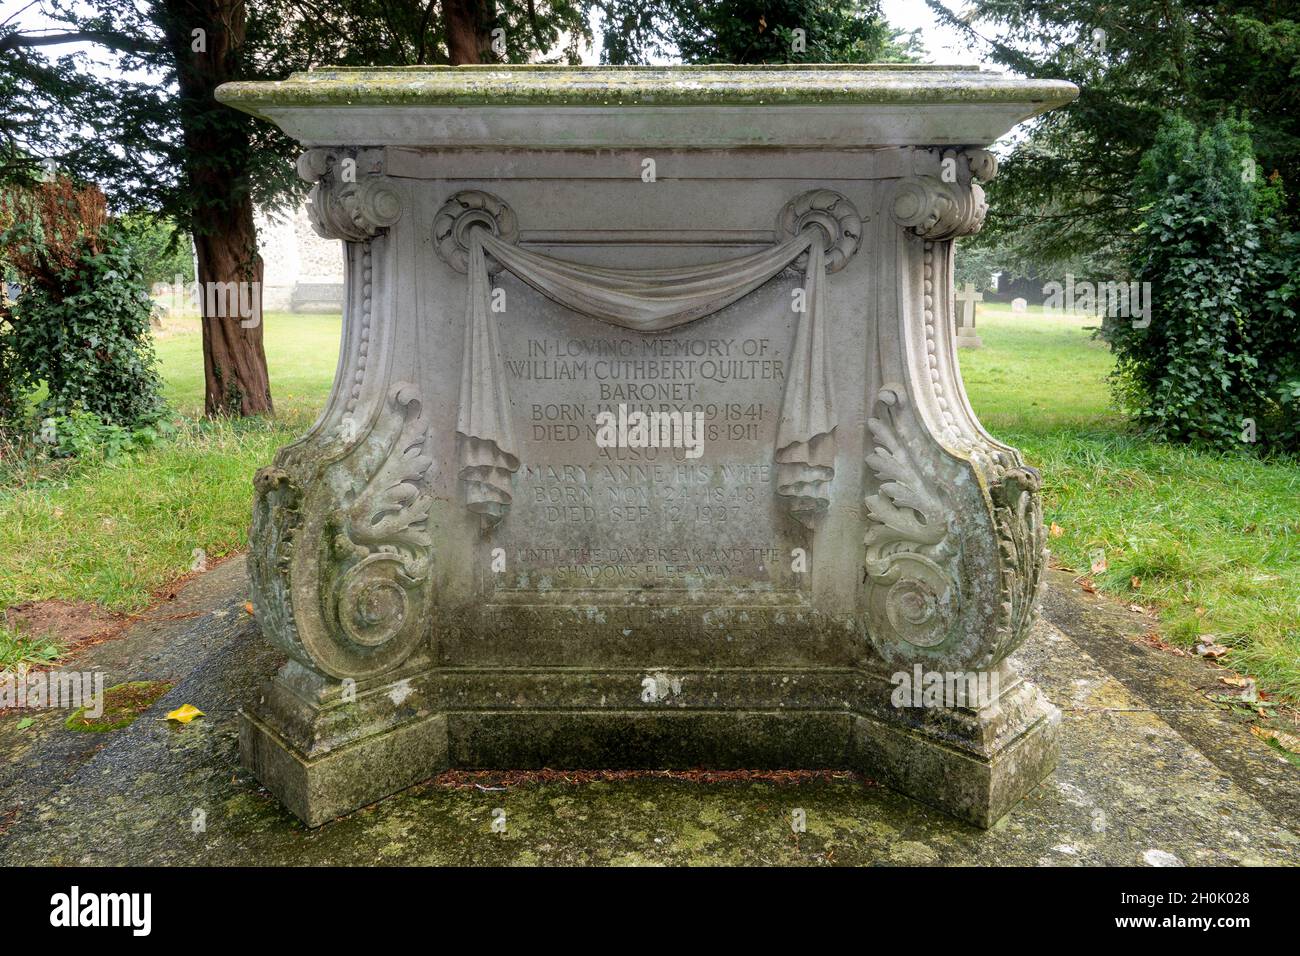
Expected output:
(592, 107)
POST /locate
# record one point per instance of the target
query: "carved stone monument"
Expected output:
(647, 446)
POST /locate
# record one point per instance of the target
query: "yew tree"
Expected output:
(120, 93)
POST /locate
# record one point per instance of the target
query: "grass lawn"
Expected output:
(1213, 542)
(115, 532)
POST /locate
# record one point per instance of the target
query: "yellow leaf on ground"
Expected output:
(185, 713)
(1055, 530)
(1288, 741)
(248, 607)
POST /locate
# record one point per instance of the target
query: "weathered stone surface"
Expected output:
(458, 537)
(1130, 780)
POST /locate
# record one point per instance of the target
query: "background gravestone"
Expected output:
(968, 299)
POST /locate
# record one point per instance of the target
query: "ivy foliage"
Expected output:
(1218, 364)
(80, 323)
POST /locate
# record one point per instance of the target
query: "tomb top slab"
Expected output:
(859, 105)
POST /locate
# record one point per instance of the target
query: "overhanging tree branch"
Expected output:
(114, 41)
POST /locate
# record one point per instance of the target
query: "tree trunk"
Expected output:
(234, 361)
(468, 37)
(218, 161)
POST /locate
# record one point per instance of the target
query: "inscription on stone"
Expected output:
(669, 517)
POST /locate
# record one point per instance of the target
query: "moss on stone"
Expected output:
(123, 703)
(719, 85)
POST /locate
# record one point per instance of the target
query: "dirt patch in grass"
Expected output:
(71, 624)
(123, 703)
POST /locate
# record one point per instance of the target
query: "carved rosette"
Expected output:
(467, 210)
(340, 550)
(351, 199)
(834, 215)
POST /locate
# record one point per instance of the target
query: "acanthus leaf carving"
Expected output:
(1022, 547)
(385, 545)
(341, 580)
(277, 519)
(913, 586)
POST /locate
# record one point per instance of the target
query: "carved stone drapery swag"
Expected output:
(823, 231)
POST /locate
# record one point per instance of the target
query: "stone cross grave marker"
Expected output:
(967, 299)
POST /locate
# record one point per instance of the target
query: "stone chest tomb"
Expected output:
(647, 445)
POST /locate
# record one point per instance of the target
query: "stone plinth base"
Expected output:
(319, 789)
(974, 783)
(969, 340)
(324, 753)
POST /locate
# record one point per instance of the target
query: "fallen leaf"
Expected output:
(1287, 741)
(1055, 530)
(1200, 612)
(1247, 693)
(26, 722)
(248, 606)
(1087, 585)
(1098, 559)
(1212, 651)
(1135, 583)
(185, 713)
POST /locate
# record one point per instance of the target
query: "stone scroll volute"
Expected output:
(955, 546)
(340, 553)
